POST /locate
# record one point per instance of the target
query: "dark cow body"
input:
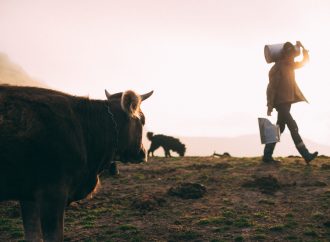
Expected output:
(167, 142)
(54, 145)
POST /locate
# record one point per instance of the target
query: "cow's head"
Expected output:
(182, 150)
(130, 121)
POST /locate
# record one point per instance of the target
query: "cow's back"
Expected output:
(37, 128)
(166, 141)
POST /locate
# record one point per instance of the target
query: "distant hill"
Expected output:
(246, 146)
(12, 74)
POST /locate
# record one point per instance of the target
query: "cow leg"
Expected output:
(167, 153)
(152, 153)
(152, 148)
(52, 215)
(31, 221)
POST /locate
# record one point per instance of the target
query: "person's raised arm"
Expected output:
(305, 59)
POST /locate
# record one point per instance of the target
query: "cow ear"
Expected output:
(107, 94)
(130, 103)
(147, 95)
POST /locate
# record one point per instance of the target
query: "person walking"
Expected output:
(282, 92)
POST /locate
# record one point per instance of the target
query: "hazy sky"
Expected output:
(204, 58)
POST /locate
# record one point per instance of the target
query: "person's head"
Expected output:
(289, 51)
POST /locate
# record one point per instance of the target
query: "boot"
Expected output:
(268, 153)
(303, 151)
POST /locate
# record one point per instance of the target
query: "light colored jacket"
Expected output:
(282, 86)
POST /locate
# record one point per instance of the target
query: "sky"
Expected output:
(203, 58)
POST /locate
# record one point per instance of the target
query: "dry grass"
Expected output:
(136, 206)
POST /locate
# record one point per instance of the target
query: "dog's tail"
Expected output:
(150, 135)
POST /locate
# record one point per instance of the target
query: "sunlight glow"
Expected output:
(204, 61)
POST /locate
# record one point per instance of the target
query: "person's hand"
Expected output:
(305, 52)
(299, 44)
(269, 111)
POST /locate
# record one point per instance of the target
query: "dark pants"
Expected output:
(284, 118)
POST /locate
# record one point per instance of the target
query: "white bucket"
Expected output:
(269, 133)
(273, 52)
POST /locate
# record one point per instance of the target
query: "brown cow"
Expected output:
(53, 146)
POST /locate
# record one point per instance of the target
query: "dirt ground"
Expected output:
(242, 200)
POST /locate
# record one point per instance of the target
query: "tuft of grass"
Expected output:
(137, 238)
(318, 216)
(228, 217)
(127, 227)
(326, 194)
(266, 184)
(261, 214)
(223, 166)
(127, 232)
(184, 236)
(239, 238)
(88, 221)
(216, 240)
(211, 220)
(229, 214)
(17, 233)
(277, 228)
(289, 215)
(266, 201)
(243, 222)
(325, 167)
(121, 236)
(204, 177)
(289, 221)
(90, 240)
(291, 237)
(119, 213)
(13, 226)
(139, 177)
(221, 229)
(290, 224)
(327, 224)
(259, 237)
(227, 201)
(310, 232)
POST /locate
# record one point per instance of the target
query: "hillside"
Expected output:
(229, 199)
(12, 74)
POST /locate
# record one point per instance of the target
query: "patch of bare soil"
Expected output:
(148, 202)
(240, 199)
(188, 190)
(266, 184)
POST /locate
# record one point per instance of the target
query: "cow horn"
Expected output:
(107, 94)
(147, 95)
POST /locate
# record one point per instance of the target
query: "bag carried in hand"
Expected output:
(269, 133)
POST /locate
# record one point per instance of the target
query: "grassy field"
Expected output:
(244, 201)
